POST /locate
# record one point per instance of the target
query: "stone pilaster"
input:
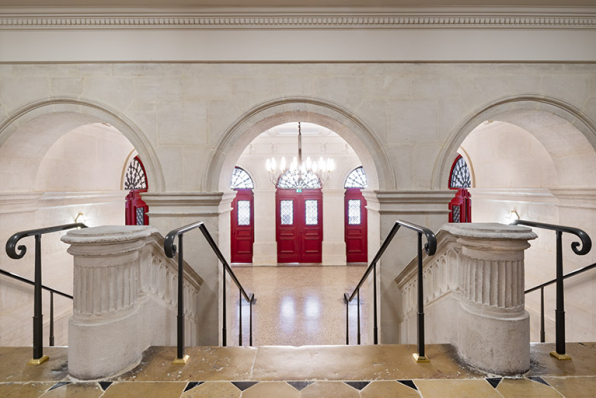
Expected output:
(168, 211)
(426, 208)
(334, 241)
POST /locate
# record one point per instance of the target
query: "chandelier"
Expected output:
(298, 174)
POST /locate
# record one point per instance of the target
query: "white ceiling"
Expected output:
(297, 3)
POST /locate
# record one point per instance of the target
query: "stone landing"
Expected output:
(312, 371)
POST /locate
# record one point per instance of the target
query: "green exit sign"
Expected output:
(298, 190)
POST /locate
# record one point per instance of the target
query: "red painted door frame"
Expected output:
(135, 212)
(461, 204)
(356, 235)
(298, 242)
(243, 236)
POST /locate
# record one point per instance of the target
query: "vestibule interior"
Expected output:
(538, 166)
(282, 141)
(54, 168)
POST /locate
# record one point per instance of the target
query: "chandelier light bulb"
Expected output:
(282, 164)
(314, 167)
(268, 165)
(303, 169)
(308, 163)
(321, 164)
(273, 165)
(332, 164)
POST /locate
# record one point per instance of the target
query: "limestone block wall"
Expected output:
(190, 123)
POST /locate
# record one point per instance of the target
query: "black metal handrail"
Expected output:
(543, 285)
(170, 250)
(11, 250)
(430, 247)
(44, 287)
(586, 246)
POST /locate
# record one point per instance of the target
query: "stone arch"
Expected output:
(538, 115)
(269, 114)
(78, 112)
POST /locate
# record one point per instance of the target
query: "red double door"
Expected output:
(242, 225)
(356, 226)
(299, 225)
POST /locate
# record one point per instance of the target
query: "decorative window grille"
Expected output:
(241, 179)
(243, 212)
(354, 211)
(135, 177)
(291, 180)
(356, 179)
(287, 212)
(460, 175)
(140, 216)
(311, 212)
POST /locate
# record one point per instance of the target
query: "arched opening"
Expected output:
(56, 167)
(536, 161)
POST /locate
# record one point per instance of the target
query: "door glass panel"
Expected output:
(287, 212)
(243, 212)
(456, 214)
(140, 216)
(311, 212)
(354, 212)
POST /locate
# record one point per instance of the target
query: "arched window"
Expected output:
(460, 179)
(290, 180)
(135, 181)
(460, 174)
(241, 179)
(356, 179)
(135, 177)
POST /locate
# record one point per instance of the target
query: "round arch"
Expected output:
(284, 110)
(79, 112)
(538, 115)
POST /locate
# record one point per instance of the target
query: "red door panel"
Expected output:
(242, 225)
(461, 207)
(136, 208)
(356, 226)
(299, 226)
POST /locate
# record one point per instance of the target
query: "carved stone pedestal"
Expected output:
(494, 328)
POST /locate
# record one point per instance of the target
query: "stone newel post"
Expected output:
(494, 327)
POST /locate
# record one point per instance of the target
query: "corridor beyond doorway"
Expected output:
(301, 305)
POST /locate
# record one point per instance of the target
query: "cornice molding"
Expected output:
(574, 18)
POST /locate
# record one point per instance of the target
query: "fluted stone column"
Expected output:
(494, 327)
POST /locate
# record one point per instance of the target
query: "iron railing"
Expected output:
(430, 248)
(586, 245)
(44, 287)
(170, 249)
(11, 250)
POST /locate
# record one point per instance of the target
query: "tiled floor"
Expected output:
(301, 305)
(321, 371)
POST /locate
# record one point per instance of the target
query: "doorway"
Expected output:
(242, 218)
(299, 225)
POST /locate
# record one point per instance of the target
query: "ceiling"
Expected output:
(296, 3)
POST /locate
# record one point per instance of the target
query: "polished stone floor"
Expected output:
(299, 306)
(313, 371)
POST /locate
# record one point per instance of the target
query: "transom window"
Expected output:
(460, 175)
(135, 177)
(356, 179)
(291, 180)
(241, 179)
